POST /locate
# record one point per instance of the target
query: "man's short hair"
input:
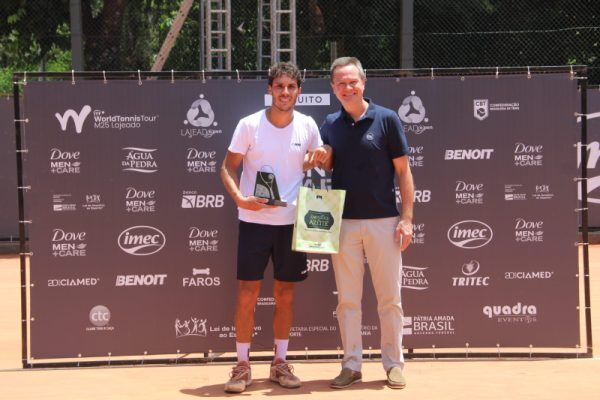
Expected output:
(284, 68)
(345, 61)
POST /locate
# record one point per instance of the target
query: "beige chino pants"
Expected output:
(373, 238)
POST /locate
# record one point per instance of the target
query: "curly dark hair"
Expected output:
(284, 68)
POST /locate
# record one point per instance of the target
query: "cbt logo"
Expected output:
(201, 116)
(480, 109)
(141, 240)
(412, 113)
(78, 118)
(470, 234)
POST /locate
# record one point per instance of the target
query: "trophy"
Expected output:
(266, 188)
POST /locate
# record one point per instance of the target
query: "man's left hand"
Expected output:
(404, 233)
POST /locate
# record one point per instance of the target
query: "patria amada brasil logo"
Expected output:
(141, 240)
(470, 234)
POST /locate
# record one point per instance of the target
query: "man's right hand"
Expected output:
(253, 203)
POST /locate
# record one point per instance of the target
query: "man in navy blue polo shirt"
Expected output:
(369, 151)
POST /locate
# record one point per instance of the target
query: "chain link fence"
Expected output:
(127, 35)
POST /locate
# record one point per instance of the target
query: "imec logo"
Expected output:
(470, 234)
(141, 240)
(78, 119)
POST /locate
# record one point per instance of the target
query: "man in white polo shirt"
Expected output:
(276, 142)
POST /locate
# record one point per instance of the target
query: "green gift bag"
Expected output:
(318, 221)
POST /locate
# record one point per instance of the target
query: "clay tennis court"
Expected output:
(501, 378)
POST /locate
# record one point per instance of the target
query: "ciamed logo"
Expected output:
(78, 118)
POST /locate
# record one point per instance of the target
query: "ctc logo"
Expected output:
(99, 316)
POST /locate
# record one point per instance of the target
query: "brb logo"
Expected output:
(141, 240)
(78, 118)
(470, 234)
(201, 116)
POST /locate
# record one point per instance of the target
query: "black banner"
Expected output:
(9, 217)
(134, 237)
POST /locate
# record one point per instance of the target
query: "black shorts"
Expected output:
(257, 243)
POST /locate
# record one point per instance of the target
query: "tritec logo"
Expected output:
(420, 325)
(416, 156)
(139, 159)
(78, 118)
(141, 280)
(519, 313)
(65, 162)
(201, 277)
(201, 161)
(470, 234)
(141, 240)
(305, 99)
(191, 199)
(140, 201)
(529, 155)
(201, 117)
(99, 317)
(467, 193)
(68, 244)
(412, 113)
(203, 240)
(190, 327)
(468, 154)
(414, 278)
(469, 270)
(529, 231)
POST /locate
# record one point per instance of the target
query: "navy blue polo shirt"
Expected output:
(362, 159)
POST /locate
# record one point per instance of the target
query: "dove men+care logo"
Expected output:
(200, 120)
(68, 244)
(201, 161)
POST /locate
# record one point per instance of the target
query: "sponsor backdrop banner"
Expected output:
(134, 237)
(593, 155)
(9, 217)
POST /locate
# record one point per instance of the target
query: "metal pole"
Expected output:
(76, 35)
(406, 39)
(22, 242)
(584, 218)
(202, 37)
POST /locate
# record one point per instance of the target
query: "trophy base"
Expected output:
(278, 203)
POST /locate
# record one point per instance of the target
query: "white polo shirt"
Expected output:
(278, 150)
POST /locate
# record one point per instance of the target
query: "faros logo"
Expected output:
(141, 240)
(201, 117)
(416, 156)
(468, 193)
(139, 159)
(418, 234)
(469, 270)
(99, 317)
(317, 265)
(201, 161)
(201, 277)
(529, 231)
(418, 325)
(141, 280)
(191, 199)
(511, 314)
(468, 154)
(414, 278)
(68, 244)
(470, 234)
(528, 155)
(65, 162)
(140, 201)
(412, 113)
(203, 240)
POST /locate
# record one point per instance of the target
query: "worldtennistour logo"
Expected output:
(201, 117)
(78, 118)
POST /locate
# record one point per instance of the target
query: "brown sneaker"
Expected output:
(346, 378)
(395, 379)
(283, 373)
(240, 377)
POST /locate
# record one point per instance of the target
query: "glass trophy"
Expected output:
(266, 188)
